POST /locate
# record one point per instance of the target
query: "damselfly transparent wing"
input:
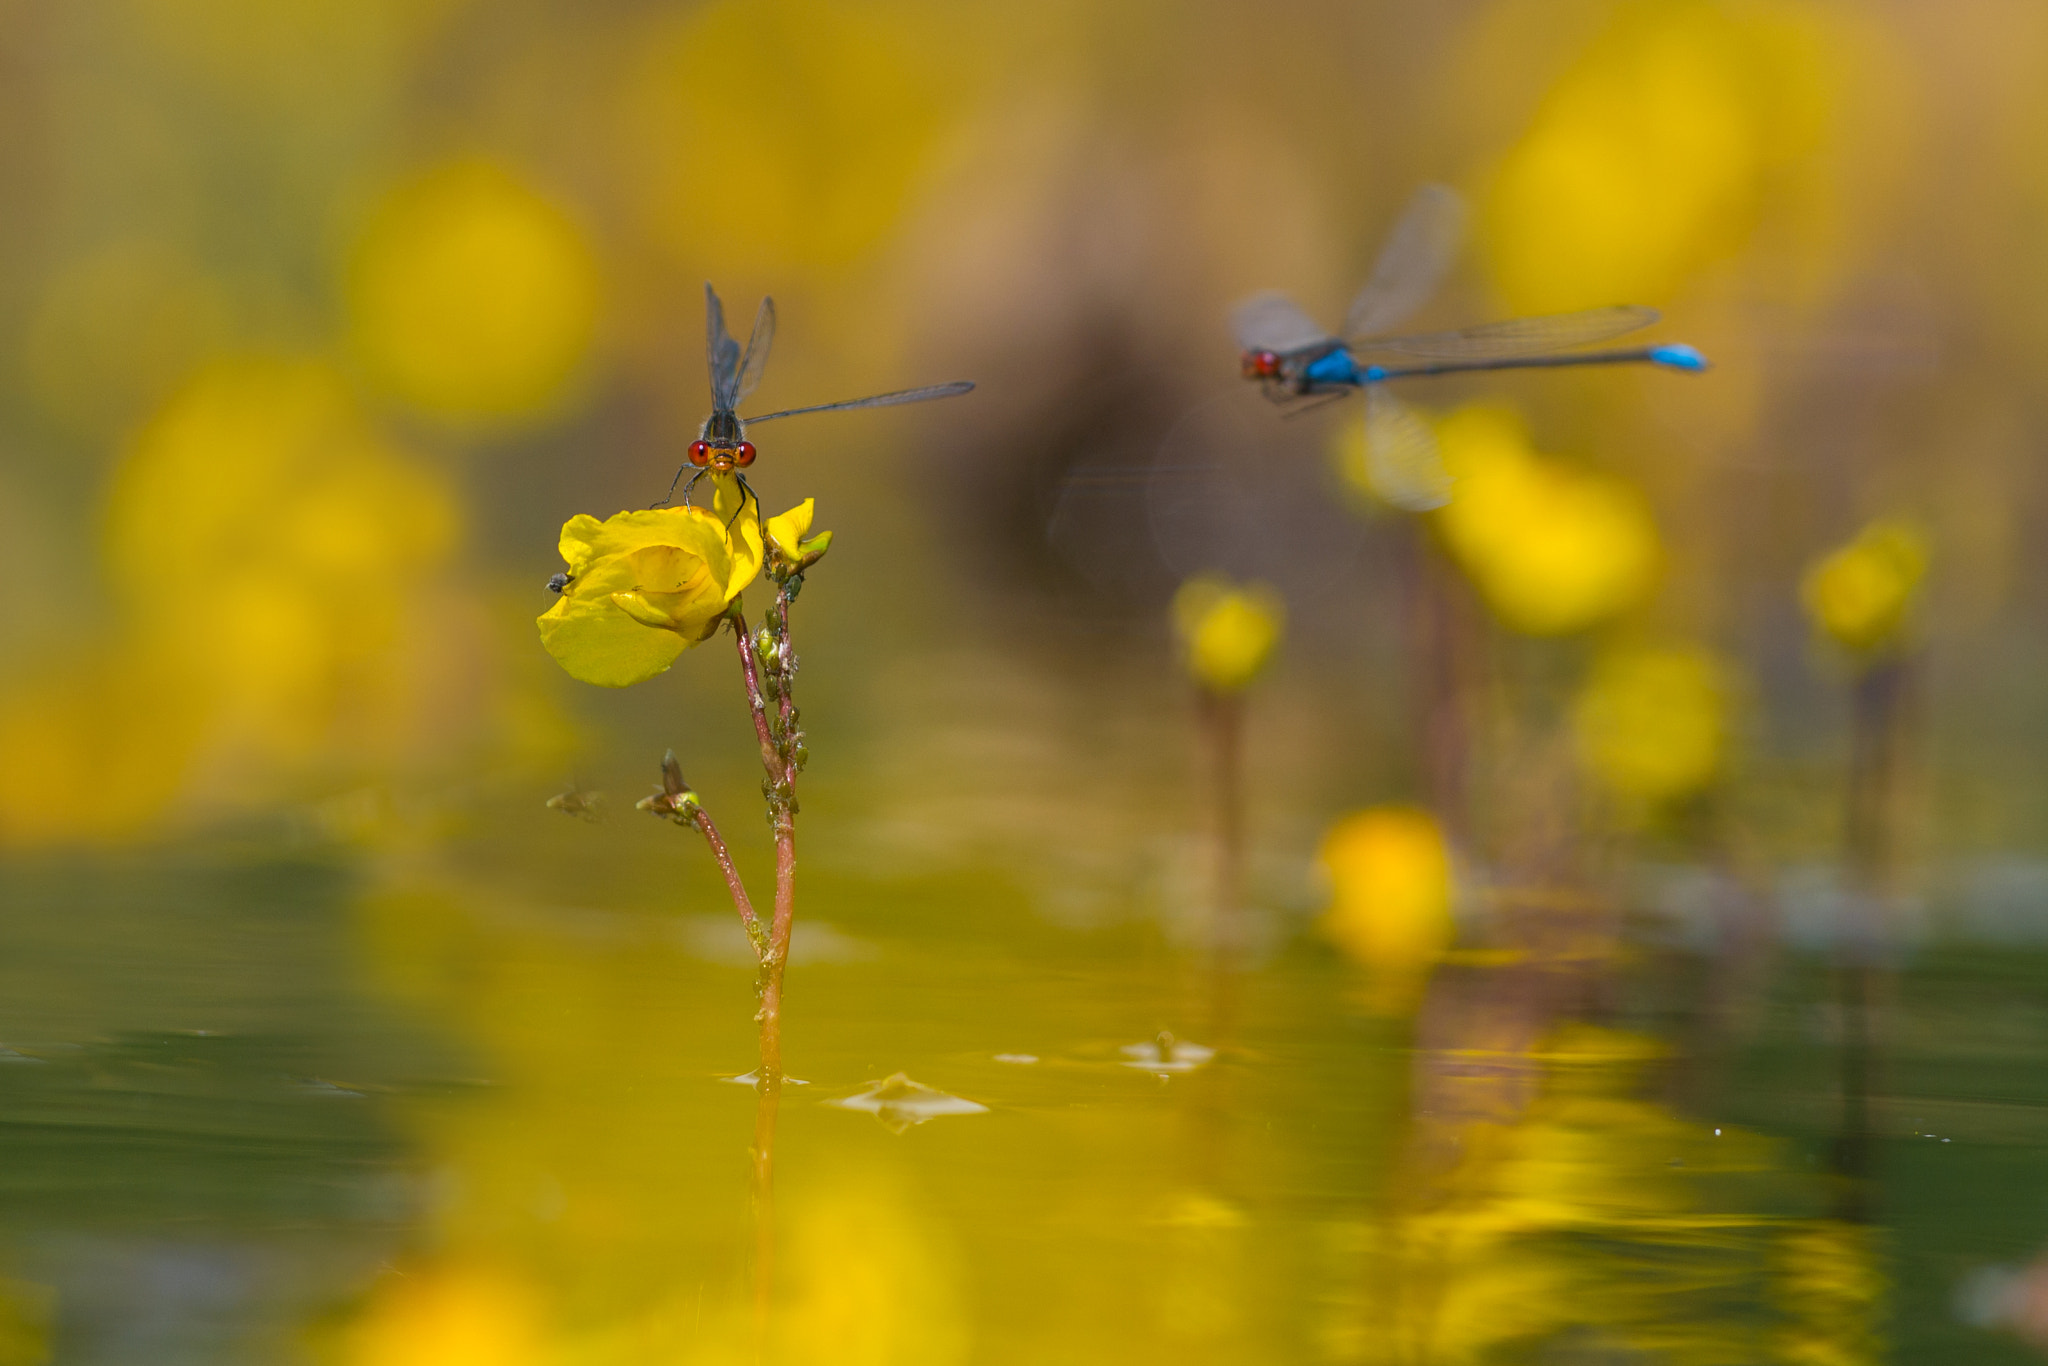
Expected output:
(1401, 459)
(929, 391)
(720, 351)
(1522, 336)
(1273, 322)
(756, 359)
(1418, 252)
(1214, 484)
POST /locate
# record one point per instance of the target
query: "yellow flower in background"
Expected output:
(1389, 871)
(1552, 547)
(1650, 157)
(275, 545)
(1859, 596)
(447, 1317)
(843, 107)
(871, 1283)
(1652, 724)
(1229, 632)
(644, 586)
(284, 617)
(96, 746)
(789, 535)
(472, 296)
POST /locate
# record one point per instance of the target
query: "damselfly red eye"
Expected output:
(743, 454)
(700, 453)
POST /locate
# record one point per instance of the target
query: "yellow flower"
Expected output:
(473, 297)
(1553, 548)
(453, 1316)
(1229, 632)
(789, 535)
(1652, 723)
(644, 586)
(1389, 870)
(1859, 595)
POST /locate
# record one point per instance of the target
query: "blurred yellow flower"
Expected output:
(871, 1284)
(1553, 548)
(269, 543)
(1229, 633)
(1389, 870)
(646, 585)
(1859, 596)
(447, 1317)
(790, 535)
(844, 105)
(1652, 723)
(473, 297)
(1650, 157)
(95, 747)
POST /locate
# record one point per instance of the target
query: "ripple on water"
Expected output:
(1166, 1056)
(899, 1103)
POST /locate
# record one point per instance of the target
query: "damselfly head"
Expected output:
(557, 582)
(720, 456)
(1261, 365)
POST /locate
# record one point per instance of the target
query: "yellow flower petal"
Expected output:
(596, 642)
(787, 531)
(579, 541)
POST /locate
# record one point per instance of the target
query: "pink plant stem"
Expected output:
(750, 671)
(774, 955)
(740, 900)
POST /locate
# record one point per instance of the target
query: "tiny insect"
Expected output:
(674, 799)
(721, 446)
(557, 582)
(578, 803)
(1294, 359)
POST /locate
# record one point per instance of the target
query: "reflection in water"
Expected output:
(901, 1103)
(1567, 1219)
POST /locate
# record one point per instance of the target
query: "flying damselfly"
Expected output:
(1297, 361)
(721, 446)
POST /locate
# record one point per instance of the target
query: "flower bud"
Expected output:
(1228, 633)
(1860, 595)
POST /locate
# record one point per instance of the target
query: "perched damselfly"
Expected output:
(721, 446)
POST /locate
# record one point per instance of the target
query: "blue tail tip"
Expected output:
(1678, 357)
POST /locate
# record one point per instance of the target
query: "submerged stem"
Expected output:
(1223, 722)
